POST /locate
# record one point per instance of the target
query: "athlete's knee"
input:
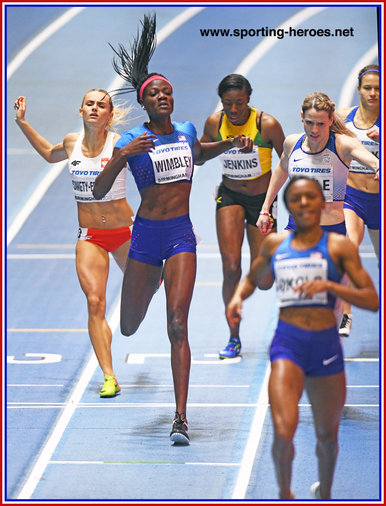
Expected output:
(177, 325)
(232, 269)
(129, 327)
(96, 304)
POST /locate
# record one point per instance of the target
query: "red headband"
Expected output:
(149, 80)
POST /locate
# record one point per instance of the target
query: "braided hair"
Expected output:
(132, 66)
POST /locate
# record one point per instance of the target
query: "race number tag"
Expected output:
(293, 272)
(172, 162)
(319, 168)
(238, 165)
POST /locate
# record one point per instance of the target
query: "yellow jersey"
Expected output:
(237, 165)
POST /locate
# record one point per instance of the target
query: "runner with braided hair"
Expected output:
(161, 154)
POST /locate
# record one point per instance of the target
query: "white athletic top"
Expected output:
(84, 171)
(326, 167)
(369, 144)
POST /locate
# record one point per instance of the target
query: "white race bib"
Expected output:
(237, 165)
(319, 168)
(292, 272)
(172, 162)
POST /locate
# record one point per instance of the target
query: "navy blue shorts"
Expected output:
(153, 241)
(365, 205)
(339, 228)
(316, 352)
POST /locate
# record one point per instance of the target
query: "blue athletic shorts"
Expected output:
(365, 205)
(316, 352)
(153, 241)
(339, 228)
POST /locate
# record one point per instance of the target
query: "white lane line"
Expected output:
(69, 408)
(42, 37)
(133, 463)
(253, 440)
(117, 83)
(351, 82)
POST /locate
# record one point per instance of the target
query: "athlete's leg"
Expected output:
(92, 266)
(140, 281)
(120, 255)
(179, 278)
(355, 231)
(230, 234)
(285, 389)
(374, 237)
(327, 396)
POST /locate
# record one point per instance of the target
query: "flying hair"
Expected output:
(132, 66)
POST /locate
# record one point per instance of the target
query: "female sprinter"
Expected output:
(307, 265)
(161, 155)
(324, 152)
(361, 203)
(103, 226)
(244, 183)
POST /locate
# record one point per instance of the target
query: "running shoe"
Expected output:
(315, 490)
(232, 349)
(110, 387)
(179, 433)
(345, 325)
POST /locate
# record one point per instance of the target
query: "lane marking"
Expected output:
(135, 463)
(42, 37)
(249, 453)
(253, 440)
(52, 442)
(47, 330)
(349, 86)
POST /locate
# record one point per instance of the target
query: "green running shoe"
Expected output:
(110, 387)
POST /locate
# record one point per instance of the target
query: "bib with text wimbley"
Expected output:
(172, 162)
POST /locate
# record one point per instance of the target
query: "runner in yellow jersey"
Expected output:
(245, 180)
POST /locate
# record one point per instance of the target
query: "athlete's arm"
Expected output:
(51, 153)
(272, 131)
(278, 178)
(350, 147)
(260, 275)
(142, 144)
(202, 152)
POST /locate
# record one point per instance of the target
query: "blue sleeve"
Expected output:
(123, 140)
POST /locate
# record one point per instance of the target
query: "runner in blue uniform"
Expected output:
(161, 156)
(361, 203)
(305, 351)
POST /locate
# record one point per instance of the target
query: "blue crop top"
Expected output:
(170, 161)
(292, 267)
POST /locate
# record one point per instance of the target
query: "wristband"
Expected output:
(264, 214)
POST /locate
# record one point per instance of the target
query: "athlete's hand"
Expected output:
(244, 144)
(373, 134)
(376, 177)
(233, 311)
(144, 143)
(310, 288)
(264, 223)
(20, 107)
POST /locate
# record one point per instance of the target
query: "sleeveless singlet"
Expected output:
(84, 171)
(369, 144)
(293, 267)
(237, 165)
(325, 166)
(170, 161)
